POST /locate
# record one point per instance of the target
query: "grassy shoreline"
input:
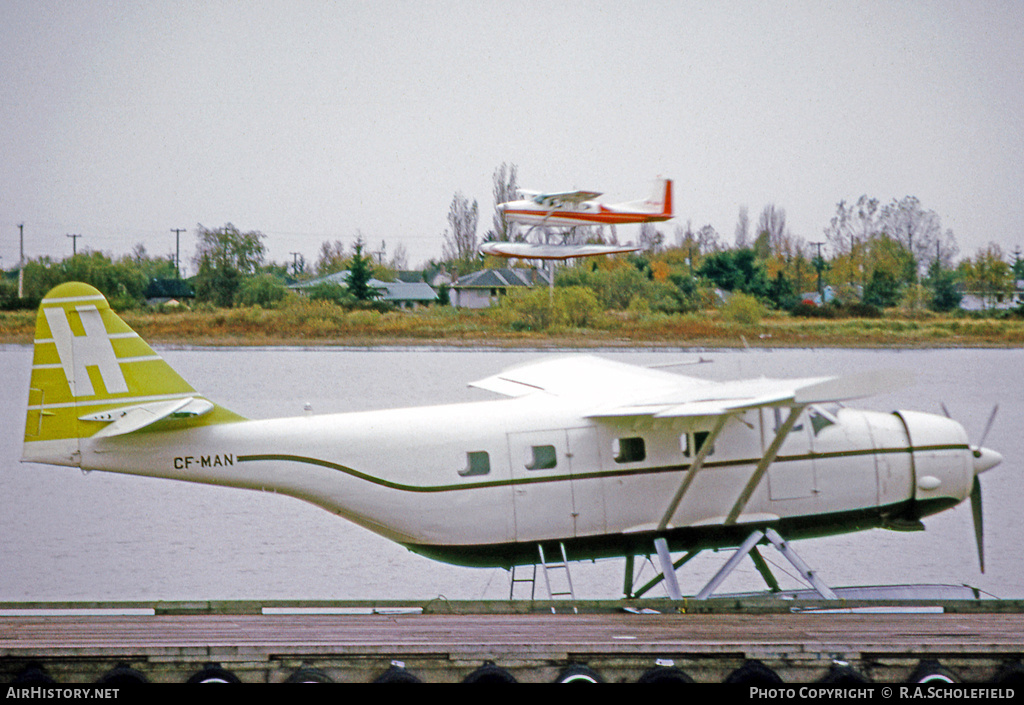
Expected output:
(332, 326)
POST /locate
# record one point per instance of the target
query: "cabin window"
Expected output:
(692, 443)
(542, 458)
(820, 420)
(629, 450)
(477, 463)
(779, 419)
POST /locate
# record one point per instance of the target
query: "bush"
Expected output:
(262, 290)
(8, 295)
(327, 291)
(862, 310)
(743, 309)
(1016, 312)
(541, 309)
(834, 310)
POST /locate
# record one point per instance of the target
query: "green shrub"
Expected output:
(541, 309)
(743, 309)
(261, 290)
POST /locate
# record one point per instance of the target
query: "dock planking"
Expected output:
(171, 646)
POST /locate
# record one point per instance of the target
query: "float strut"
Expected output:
(667, 569)
(731, 564)
(809, 575)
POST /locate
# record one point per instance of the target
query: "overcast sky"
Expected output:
(312, 120)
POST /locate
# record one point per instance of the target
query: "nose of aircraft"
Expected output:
(985, 459)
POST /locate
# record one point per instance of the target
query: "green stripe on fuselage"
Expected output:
(540, 479)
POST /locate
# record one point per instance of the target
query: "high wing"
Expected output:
(582, 376)
(637, 391)
(573, 197)
(526, 250)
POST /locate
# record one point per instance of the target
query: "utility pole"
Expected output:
(21, 261)
(74, 244)
(177, 250)
(295, 262)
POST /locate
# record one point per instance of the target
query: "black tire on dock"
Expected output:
(932, 672)
(753, 672)
(490, 673)
(396, 674)
(33, 674)
(665, 674)
(214, 674)
(122, 674)
(843, 675)
(1010, 674)
(308, 675)
(578, 673)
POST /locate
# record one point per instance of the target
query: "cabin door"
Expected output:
(544, 464)
(791, 475)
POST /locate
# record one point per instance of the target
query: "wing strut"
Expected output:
(762, 466)
(695, 467)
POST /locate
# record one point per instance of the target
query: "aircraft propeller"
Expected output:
(983, 460)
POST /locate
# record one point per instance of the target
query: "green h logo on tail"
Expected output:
(93, 376)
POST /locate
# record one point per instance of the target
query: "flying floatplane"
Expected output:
(569, 210)
(573, 208)
(584, 458)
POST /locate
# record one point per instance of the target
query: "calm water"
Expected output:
(65, 535)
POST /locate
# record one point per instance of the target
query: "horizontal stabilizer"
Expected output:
(91, 372)
(132, 418)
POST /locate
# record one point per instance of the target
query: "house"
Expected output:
(828, 295)
(400, 293)
(486, 287)
(168, 292)
(1002, 302)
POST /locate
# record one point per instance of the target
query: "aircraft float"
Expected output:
(584, 458)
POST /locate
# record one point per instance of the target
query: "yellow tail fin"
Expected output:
(93, 376)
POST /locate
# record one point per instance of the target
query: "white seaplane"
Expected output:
(586, 458)
(573, 208)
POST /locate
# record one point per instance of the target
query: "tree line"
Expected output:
(871, 256)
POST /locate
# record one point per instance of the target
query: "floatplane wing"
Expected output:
(639, 391)
(563, 197)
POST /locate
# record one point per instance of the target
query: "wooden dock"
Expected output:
(449, 642)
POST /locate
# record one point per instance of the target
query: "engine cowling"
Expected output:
(940, 456)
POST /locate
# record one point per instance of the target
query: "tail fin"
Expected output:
(93, 376)
(662, 197)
